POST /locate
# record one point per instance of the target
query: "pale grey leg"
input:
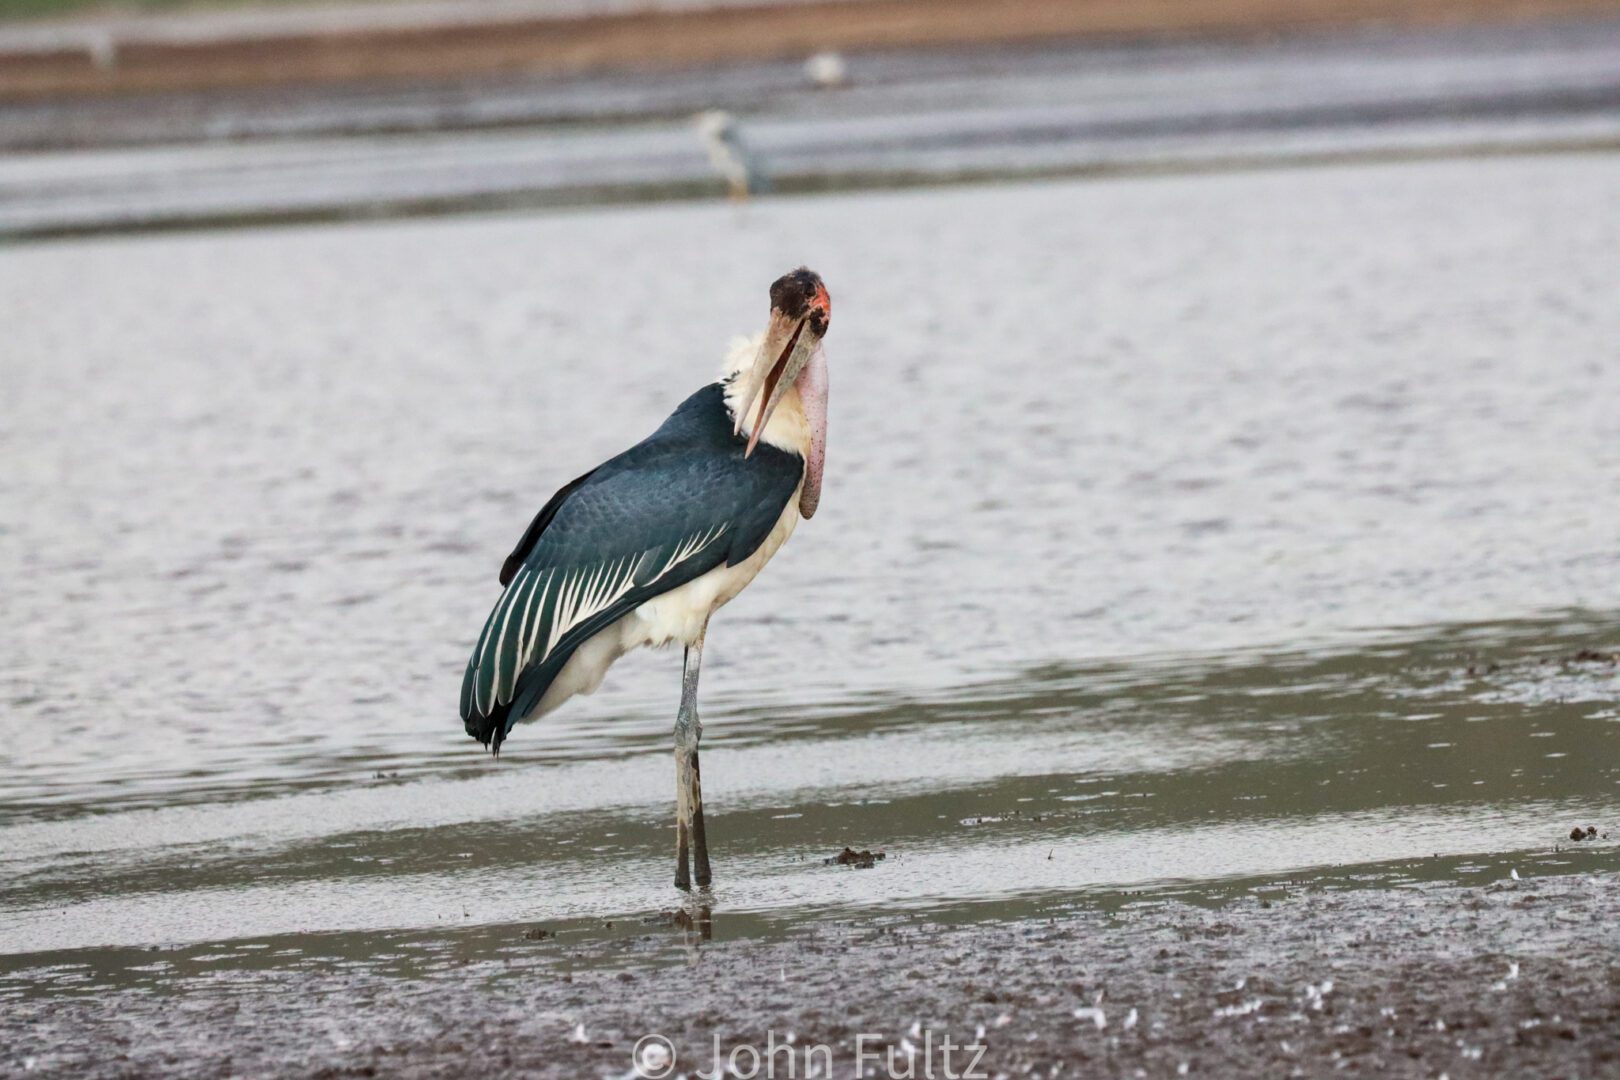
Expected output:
(689, 834)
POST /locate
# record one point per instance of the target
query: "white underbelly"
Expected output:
(678, 615)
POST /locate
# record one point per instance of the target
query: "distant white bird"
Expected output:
(827, 70)
(731, 156)
(102, 48)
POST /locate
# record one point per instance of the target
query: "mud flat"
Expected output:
(1518, 978)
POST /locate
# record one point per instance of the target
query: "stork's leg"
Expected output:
(689, 835)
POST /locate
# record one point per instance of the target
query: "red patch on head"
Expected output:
(821, 301)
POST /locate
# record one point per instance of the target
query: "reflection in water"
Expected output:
(697, 922)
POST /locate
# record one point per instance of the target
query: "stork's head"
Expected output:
(800, 313)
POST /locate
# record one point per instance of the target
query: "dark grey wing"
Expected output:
(676, 506)
(531, 535)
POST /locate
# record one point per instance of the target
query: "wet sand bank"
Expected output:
(1515, 978)
(909, 118)
(92, 64)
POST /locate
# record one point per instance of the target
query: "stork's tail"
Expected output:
(490, 730)
(489, 726)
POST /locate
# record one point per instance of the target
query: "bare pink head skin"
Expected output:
(791, 355)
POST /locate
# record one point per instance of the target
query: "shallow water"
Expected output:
(1165, 520)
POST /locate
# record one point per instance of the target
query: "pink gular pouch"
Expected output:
(812, 384)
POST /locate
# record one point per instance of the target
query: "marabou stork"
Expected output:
(645, 547)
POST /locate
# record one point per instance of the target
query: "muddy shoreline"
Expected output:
(1517, 978)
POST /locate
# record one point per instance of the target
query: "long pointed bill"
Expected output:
(787, 346)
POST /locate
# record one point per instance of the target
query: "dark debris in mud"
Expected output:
(1009, 816)
(680, 918)
(1591, 656)
(1605, 657)
(860, 860)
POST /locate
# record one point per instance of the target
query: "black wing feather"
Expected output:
(532, 534)
(670, 509)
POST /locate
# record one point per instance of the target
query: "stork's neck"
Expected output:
(787, 430)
